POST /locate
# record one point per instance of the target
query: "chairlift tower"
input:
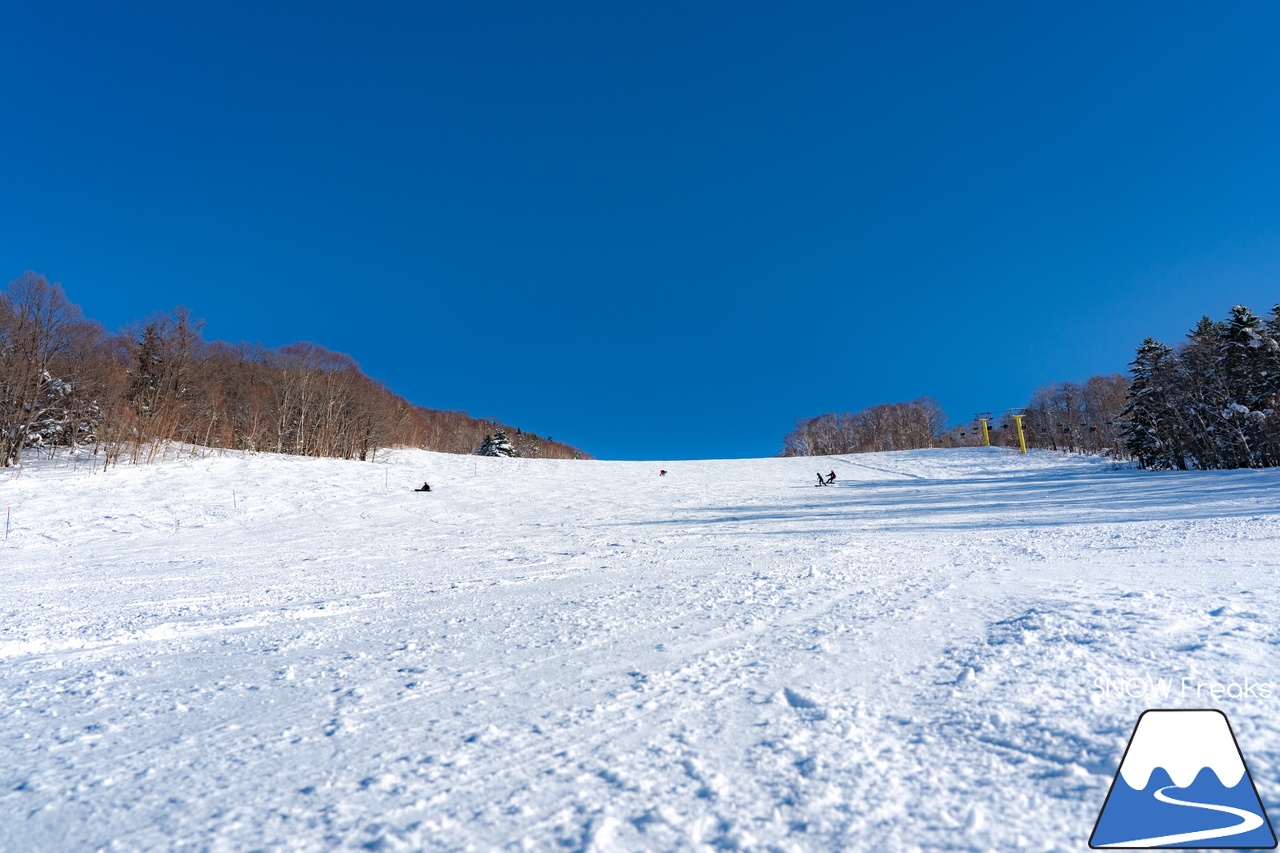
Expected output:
(1018, 415)
(983, 417)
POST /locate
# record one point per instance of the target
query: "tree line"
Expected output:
(156, 385)
(888, 426)
(1074, 417)
(1078, 417)
(1210, 402)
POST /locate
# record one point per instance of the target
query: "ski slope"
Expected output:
(946, 650)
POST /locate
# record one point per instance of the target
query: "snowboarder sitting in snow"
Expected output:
(831, 478)
(426, 487)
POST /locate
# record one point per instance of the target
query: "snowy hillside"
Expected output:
(946, 650)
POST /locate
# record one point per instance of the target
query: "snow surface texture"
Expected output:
(582, 655)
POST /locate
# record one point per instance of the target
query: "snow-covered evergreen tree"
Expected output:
(1211, 403)
(1201, 399)
(1273, 322)
(66, 417)
(1151, 433)
(1249, 359)
(496, 445)
(1249, 364)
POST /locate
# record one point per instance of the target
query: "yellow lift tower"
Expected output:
(1018, 415)
(983, 417)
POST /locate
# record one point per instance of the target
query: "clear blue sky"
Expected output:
(661, 230)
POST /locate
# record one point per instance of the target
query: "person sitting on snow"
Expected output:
(426, 487)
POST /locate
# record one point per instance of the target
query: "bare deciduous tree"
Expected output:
(159, 384)
(888, 426)
(40, 330)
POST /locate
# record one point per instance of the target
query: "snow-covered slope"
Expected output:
(945, 650)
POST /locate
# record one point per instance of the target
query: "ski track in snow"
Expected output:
(584, 656)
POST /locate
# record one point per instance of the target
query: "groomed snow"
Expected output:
(946, 650)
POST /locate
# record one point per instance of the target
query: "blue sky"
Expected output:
(661, 230)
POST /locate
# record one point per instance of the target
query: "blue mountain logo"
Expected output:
(1183, 782)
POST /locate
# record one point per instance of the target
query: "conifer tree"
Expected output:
(1247, 358)
(144, 390)
(497, 445)
(1251, 366)
(1152, 431)
(1273, 322)
(1230, 372)
(1201, 399)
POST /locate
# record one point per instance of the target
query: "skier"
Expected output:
(426, 487)
(831, 478)
(662, 473)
